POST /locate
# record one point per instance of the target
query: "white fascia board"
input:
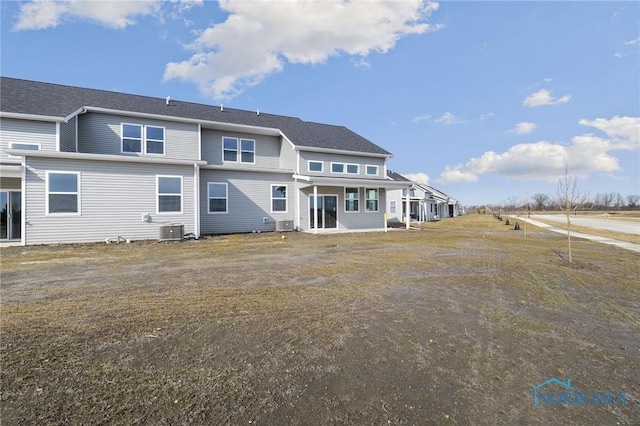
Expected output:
(287, 139)
(331, 181)
(206, 124)
(11, 170)
(32, 117)
(101, 157)
(246, 169)
(343, 152)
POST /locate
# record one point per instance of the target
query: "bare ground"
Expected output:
(453, 324)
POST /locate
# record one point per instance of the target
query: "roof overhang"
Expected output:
(32, 117)
(343, 152)
(101, 157)
(349, 182)
(11, 170)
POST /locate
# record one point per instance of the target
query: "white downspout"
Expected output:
(196, 184)
(315, 209)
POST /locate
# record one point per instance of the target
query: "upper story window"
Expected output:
(63, 192)
(353, 169)
(279, 198)
(238, 150)
(316, 166)
(134, 134)
(154, 140)
(351, 202)
(169, 194)
(337, 167)
(218, 197)
(29, 146)
(372, 170)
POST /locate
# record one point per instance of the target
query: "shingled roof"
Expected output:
(54, 100)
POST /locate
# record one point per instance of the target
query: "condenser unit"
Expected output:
(284, 225)
(172, 232)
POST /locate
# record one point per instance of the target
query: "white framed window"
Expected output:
(353, 169)
(393, 208)
(131, 138)
(372, 170)
(371, 196)
(247, 151)
(316, 166)
(169, 194)
(63, 193)
(154, 138)
(236, 150)
(279, 198)
(218, 194)
(351, 199)
(337, 167)
(25, 145)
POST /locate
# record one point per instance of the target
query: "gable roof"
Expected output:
(59, 101)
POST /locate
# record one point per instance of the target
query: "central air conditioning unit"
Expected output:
(284, 225)
(172, 232)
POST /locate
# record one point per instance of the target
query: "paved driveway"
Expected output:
(627, 227)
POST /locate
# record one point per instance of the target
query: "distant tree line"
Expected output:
(543, 202)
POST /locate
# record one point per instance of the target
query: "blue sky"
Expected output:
(483, 100)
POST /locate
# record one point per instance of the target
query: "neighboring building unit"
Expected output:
(422, 202)
(85, 165)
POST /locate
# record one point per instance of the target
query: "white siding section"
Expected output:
(249, 201)
(100, 134)
(394, 195)
(113, 198)
(268, 149)
(26, 131)
(327, 159)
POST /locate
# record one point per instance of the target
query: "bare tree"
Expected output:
(540, 200)
(570, 199)
(632, 200)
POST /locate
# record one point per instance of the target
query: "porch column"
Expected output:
(408, 210)
(315, 209)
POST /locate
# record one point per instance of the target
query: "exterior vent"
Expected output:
(172, 232)
(284, 225)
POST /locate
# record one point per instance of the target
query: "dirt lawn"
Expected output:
(452, 324)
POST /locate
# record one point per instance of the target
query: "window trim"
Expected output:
(318, 162)
(226, 198)
(366, 200)
(147, 140)
(337, 164)
(357, 200)
(286, 198)
(158, 195)
(78, 193)
(239, 151)
(377, 173)
(346, 169)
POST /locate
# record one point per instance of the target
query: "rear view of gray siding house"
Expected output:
(91, 165)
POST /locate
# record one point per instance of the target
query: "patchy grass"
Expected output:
(453, 323)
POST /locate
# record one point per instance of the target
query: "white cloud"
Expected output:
(543, 160)
(41, 14)
(447, 119)
(543, 97)
(420, 118)
(258, 38)
(632, 42)
(523, 128)
(418, 177)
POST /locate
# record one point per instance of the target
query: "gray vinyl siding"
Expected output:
(101, 134)
(328, 158)
(26, 131)
(113, 198)
(249, 201)
(269, 150)
(68, 135)
(346, 220)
